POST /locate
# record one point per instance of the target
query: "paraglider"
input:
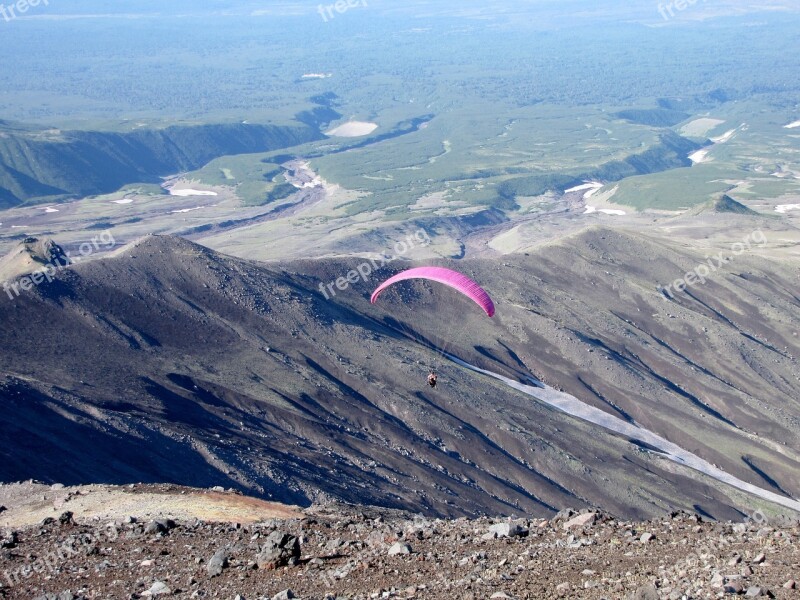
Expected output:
(432, 379)
(451, 278)
(448, 277)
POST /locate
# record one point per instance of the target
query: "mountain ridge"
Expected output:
(192, 367)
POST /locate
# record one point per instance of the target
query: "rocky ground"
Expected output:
(340, 551)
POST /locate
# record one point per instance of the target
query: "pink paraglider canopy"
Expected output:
(455, 280)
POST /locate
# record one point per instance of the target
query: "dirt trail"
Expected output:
(30, 503)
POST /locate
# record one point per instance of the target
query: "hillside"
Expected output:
(42, 165)
(182, 365)
(147, 546)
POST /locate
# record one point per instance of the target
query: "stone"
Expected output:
(284, 595)
(159, 526)
(508, 530)
(10, 540)
(159, 588)
(218, 563)
(734, 587)
(279, 550)
(400, 548)
(586, 520)
(647, 592)
(67, 595)
(646, 537)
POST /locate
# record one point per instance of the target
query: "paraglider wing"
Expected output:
(455, 280)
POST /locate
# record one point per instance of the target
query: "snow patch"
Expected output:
(352, 129)
(724, 137)
(189, 192)
(669, 450)
(699, 157)
(591, 185)
(186, 210)
(606, 211)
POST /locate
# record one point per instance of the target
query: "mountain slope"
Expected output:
(35, 165)
(170, 362)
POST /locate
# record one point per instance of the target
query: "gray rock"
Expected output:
(400, 548)
(284, 595)
(10, 540)
(159, 526)
(218, 563)
(755, 592)
(734, 587)
(790, 585)
(508, 529)
(646, 592)
(718, 580)
(159, 588)
(585, 520)
(646, 537)
(279, 550)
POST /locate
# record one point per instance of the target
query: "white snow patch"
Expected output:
(579, 409)
(699, 157)
(123, 201)
(724, 137)
(316, 75)
(794, 125)
(49, 209)
(352, 129)
(592, 185)
(784, 208)
(606, 211)
(186, 210)
(191, 192)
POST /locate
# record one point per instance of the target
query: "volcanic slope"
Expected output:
(172, 363)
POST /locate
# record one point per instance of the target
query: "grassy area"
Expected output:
(671, 190)
(256, 180)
